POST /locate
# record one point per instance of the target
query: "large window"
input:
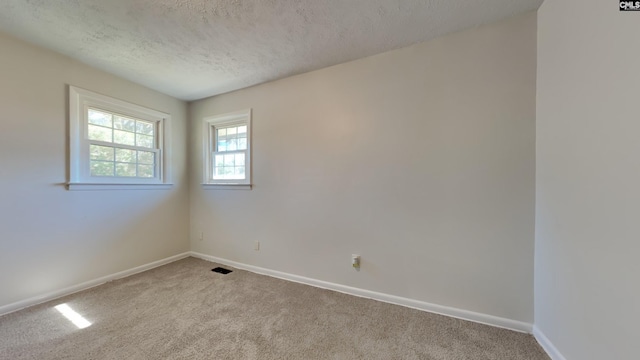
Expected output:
(113, 142)
(227, 140)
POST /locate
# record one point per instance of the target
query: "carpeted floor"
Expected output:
(185, 311)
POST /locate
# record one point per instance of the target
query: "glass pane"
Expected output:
(100, 133)
(125, 155)
(239, 159)
(146, 157)
(242, 130)
(232, 131)
(144, 141)
(229, 172)
(242, 144)
(229, 160)
(101, 168)
(145, 128)
(128, 170)
(123, 137)
(222, 132)
(124, 123)
(219, 161)
(101, 152)
(99, 118)
(232, 145)
(222, 146)
(145, 171)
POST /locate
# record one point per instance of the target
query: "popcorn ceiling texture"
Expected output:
(192, 49)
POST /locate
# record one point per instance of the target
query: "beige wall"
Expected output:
(588, 175)
(421, 160)
(51, 238)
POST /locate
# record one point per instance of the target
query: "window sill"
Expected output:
(90, 186)
(227, 186)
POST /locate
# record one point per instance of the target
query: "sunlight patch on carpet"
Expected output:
(73, 316)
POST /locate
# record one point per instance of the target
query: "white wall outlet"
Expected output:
(256, 245)
(355, 261)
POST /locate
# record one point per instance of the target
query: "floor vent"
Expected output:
(221, 270)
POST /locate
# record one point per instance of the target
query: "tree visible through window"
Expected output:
(121, 146)
(115, 142)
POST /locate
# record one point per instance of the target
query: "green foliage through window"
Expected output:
(121, 146)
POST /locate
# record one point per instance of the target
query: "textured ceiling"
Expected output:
(192, 49)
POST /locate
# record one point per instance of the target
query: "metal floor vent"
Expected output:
(221, 270)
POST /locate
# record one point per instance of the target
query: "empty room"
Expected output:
(319, 179)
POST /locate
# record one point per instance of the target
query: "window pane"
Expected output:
(229, 173)
(145, 128)
(229, 160)
(242, 130)
(219, 161)
(239, 160)
(124, 123)
(123, 137)
(146, 157)
(99, 118)
(222, 132)
(232, 131)
(145, 171)
(100, 133)
(125, 155)
(144, 141)
(101, 152)
(222, 146)
(101, 168)
(232, 145)
(128, 170)
(242, 144)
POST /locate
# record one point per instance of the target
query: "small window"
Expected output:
(115, 143)
(227, 140)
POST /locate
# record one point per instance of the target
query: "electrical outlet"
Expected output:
(256, 245)
(355, 261)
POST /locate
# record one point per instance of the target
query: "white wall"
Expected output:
(51, 238)
(421, 160)
(588, 176)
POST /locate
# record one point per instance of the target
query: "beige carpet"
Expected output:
(185, 311)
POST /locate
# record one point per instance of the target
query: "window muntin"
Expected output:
(228, 144)
(115, 142)
(229, 159)
(109, 127)
(121, 146)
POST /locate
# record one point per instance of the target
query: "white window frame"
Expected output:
(79, 171)
(210, 124)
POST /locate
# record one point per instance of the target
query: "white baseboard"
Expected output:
(547, 345)
(392, 299)
(86, 285)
